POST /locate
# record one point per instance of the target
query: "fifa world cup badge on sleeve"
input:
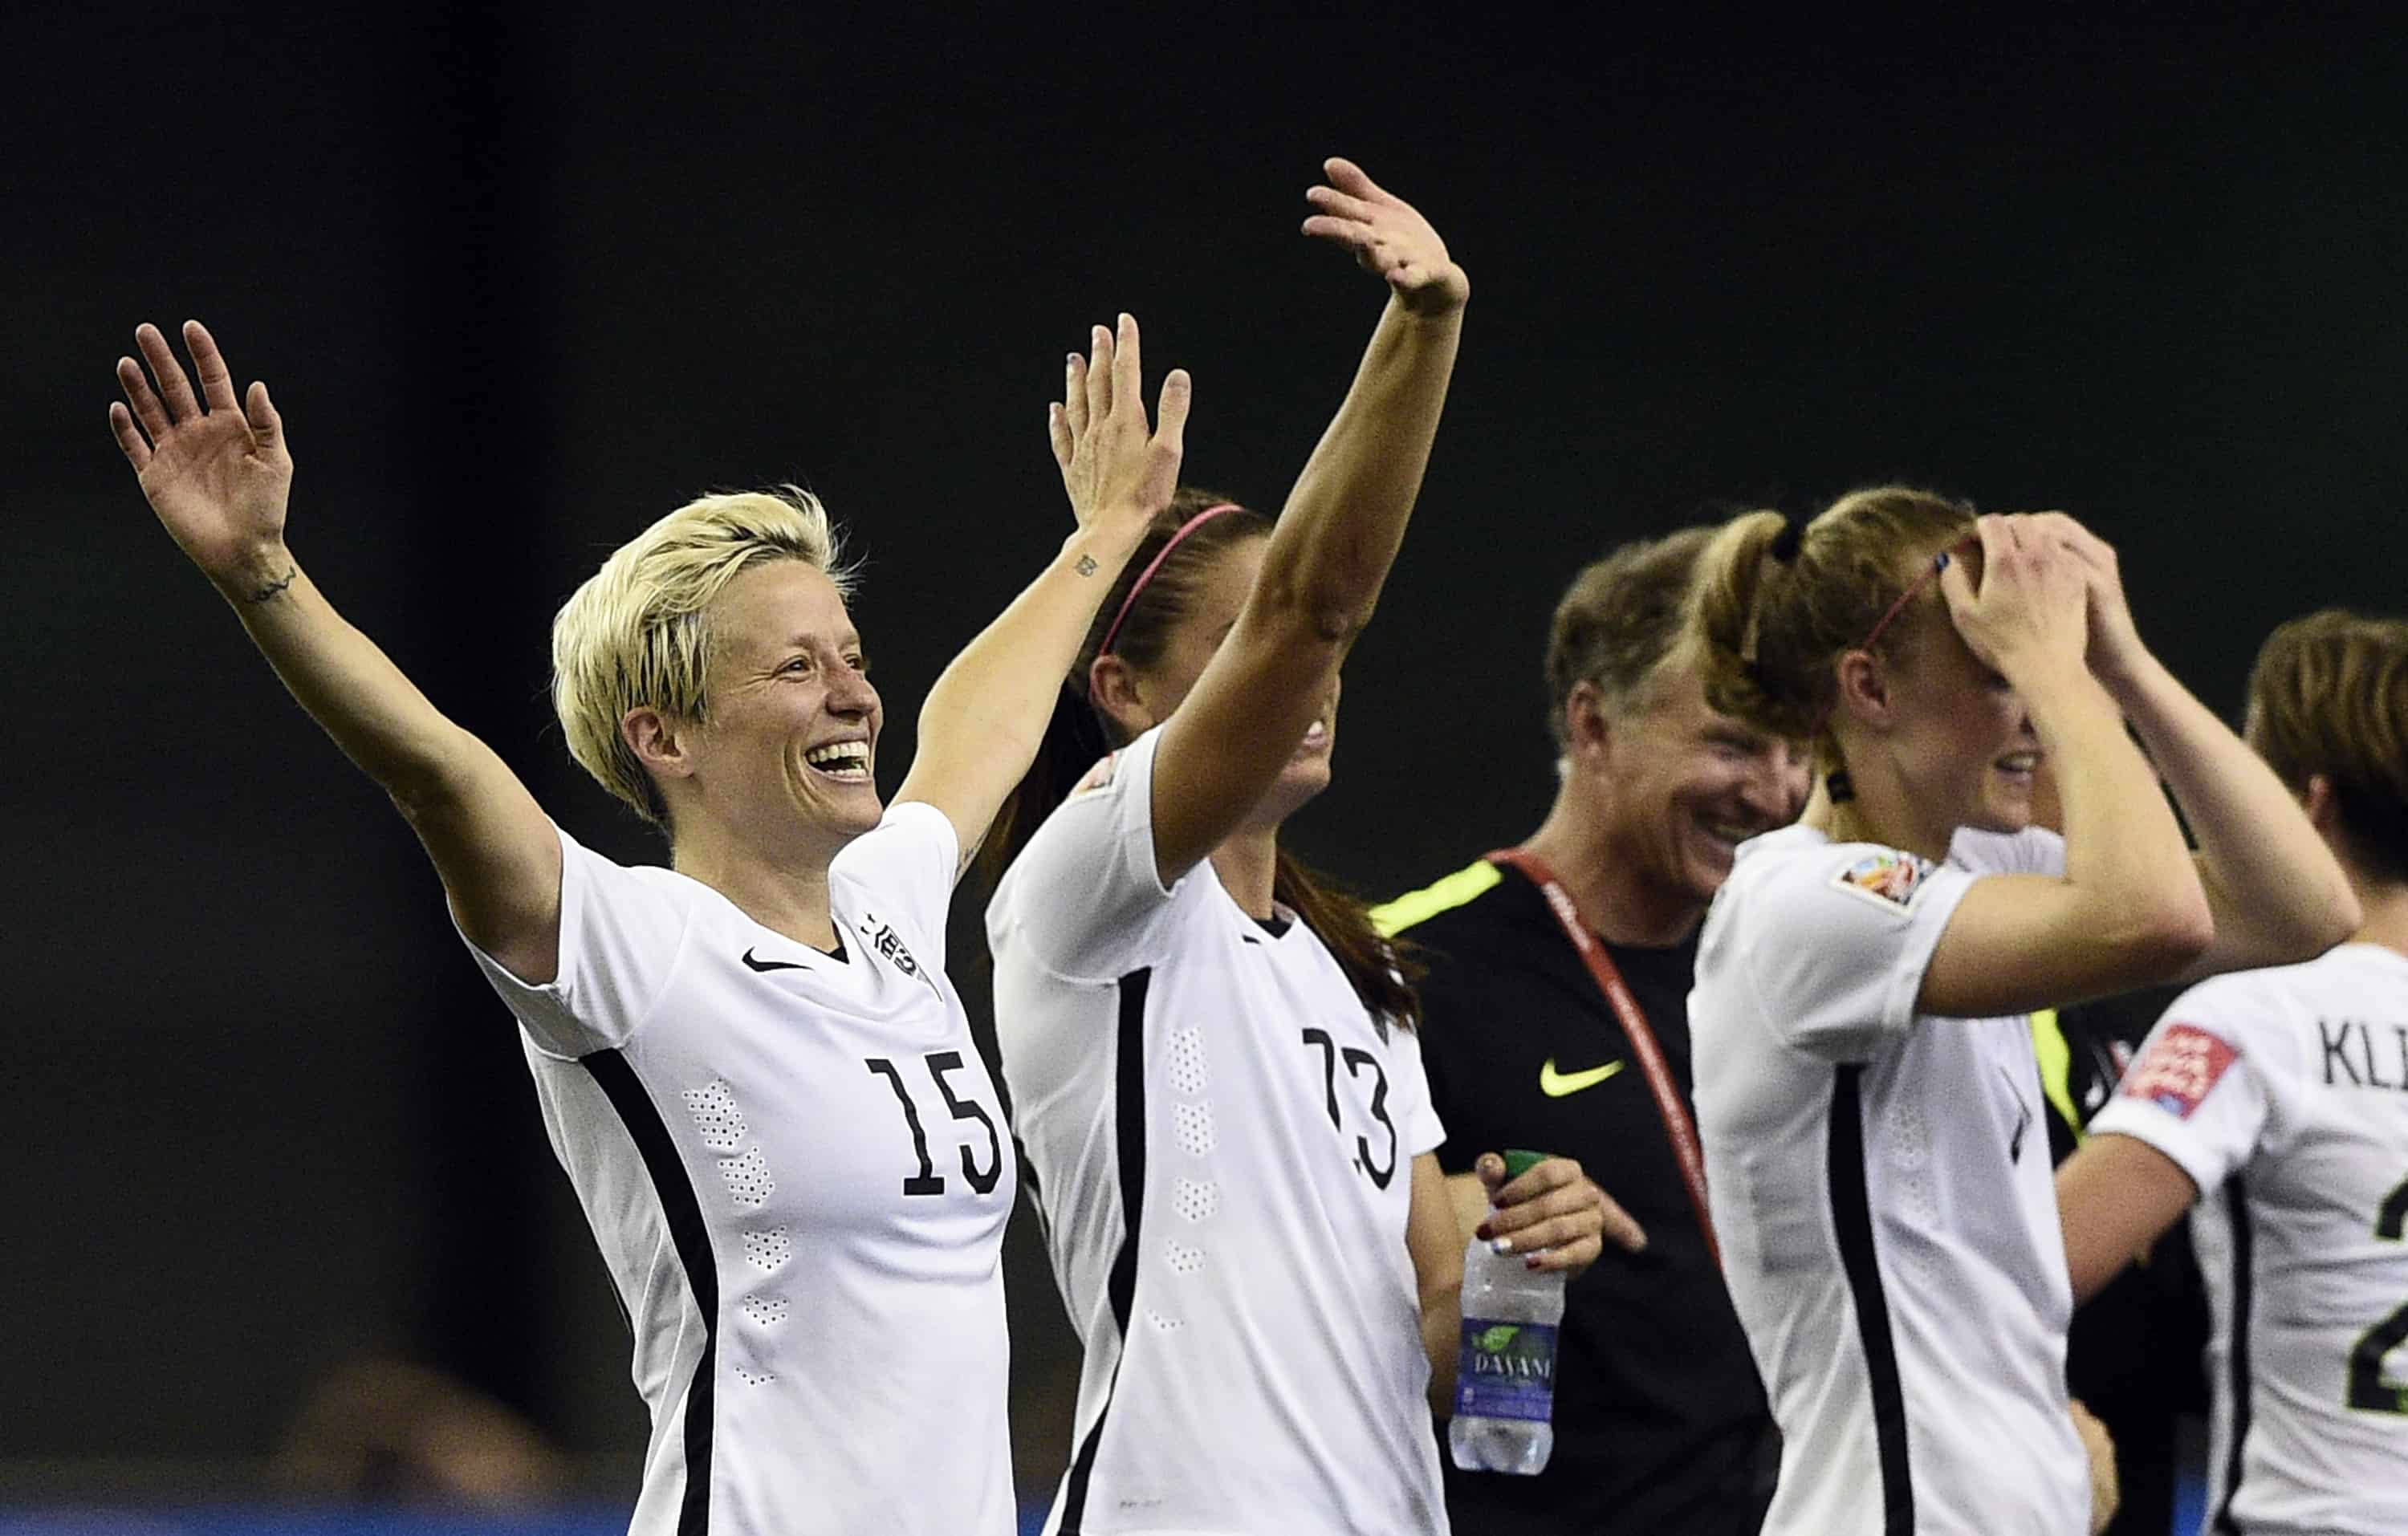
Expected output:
(2179, 1068)
(1887, 877)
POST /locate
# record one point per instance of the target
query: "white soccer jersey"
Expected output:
(2283, 1095)
(1879, 1182)
(1221, 1139)
(798, 1173)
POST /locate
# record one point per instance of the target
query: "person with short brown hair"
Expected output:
(2272, 1107)
(1660, 1423)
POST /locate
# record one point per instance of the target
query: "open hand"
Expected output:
(1115, 467)
(215, 469)
(1553, 1213)
(1389, 235)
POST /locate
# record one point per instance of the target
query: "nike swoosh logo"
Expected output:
(772, 965)
(1555, 1085)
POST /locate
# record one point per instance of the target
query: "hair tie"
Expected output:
(1785, 542)
(1154, 565)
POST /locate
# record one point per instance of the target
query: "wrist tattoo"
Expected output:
(272, 588)
(1086, 565)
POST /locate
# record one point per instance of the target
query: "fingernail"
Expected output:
(1500, 1245)
(1531, 1262)
(1939, 561)
(1483, 1232)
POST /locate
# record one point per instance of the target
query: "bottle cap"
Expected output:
(1518, 1162)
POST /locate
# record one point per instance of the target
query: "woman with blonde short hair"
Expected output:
(1876, 1161)
(2276, 1102)
(750, 1063)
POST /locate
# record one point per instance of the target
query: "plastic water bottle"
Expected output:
(1505, 1381)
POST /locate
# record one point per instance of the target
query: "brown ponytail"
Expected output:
(1771, 693)
(1775, 605)
(1080, 735)
(1382, 973)
(2328, 694)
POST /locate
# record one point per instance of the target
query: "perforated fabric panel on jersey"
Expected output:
(2284, 1093)
(1222, 1139)
(1880, 1182)
(797, 1172)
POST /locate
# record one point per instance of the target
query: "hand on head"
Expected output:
(2114, 640)
(1389, 235)
(2031, 605)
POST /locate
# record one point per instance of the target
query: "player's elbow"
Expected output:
(1325, 598)
(1319, 616)
(2327, 920)
(2151, 934)
(2169, 934)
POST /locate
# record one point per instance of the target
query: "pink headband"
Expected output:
(1154, 565)
(1915, 586)
(1923, 578)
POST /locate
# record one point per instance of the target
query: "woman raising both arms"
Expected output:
(1210, 1053)
(1866, 1085)
(750, 1063)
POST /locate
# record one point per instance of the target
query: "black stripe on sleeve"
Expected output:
(2236, 1196)
(1851, 1219)
(1120, 1286)
(684, 1213)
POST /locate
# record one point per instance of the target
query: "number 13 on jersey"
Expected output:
(1357, 1059)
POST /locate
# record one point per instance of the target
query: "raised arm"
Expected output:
(2277, 893)
(2129, 911)
(1336, 539)
(984, 718)
(217, 471)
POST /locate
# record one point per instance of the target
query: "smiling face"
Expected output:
(1684, 785)
(791, 736)
(1219, 595)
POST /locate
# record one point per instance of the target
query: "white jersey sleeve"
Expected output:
(2205, 1082)
(622, 933)
(1841, 938)
(1084, 900)
(1410, 1091)
(907, 865)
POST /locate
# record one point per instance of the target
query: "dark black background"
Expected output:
(525, 278)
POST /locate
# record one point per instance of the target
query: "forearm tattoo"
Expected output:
(1086, 565)
(272, 588)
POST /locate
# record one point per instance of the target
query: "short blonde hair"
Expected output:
(638, 632)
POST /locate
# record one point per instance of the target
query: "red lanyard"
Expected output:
(1677, 1125)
